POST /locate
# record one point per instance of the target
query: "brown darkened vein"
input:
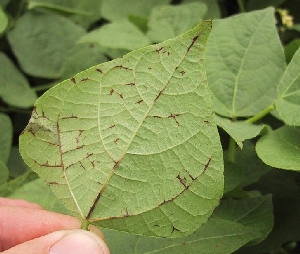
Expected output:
(186, 187)
(138, 127)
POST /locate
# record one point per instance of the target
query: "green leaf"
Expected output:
(233, 175)
(288, 103)
(116, 10)
(41, 41)
(3, 172)
(3, 21)
(166, 22)
(81, 57)
(255, 213)
(243, 78)
(11, 186)
(239, 130)
(215, 236)
(15, 163)
(117, 35)
(13, 82)
(213, 10)
(6, 134)
(252, 166)
(82, 12)
(291, 48)
(38, 192)
(281, 148)
(132, 144)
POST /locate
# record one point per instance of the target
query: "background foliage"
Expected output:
(252, 67)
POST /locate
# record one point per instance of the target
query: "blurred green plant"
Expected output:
(252, 63)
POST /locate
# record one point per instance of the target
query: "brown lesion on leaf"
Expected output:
(89, 155)
(69, 117)
(73, 80)
(182, 73)
(122, 67)
(193, 42)
(175, 229)
(81, 165)
(206, 166)
(111, 92)
(52, 183)
(46, 164)
(99, 70)
(121, 95)
(159, 94)
(116, 140)
(174, 116)
(79, 135)
(182, 180)
(158, 50)
(131, 84)
(112, 126)
(139, 102)
(85, 79)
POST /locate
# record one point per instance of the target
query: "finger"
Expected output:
(20, 224)
(63, 242)
(18, 202)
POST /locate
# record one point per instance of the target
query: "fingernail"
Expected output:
(78, 242)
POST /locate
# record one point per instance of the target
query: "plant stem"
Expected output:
(261, 114)
(241, 5)
(231, 150)
(85, 224)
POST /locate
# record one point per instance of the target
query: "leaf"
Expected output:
(131, 144)
(281, 148)
(6, 134)
(243, 78)
(213, 10)
(290, 49)
(117, 35)
(13, 82)
(15, 163)
(38, 192)
(11, 186)
(41, 40)
(81, 12)
(256, 213)
(116, 10)
(3, 172)
(288, 103)
(233, 175)
(239, 130)
(3, 21)
(215, 236)
(166, 22)
(252, 166)
(81, 57)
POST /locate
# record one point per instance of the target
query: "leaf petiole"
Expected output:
(261, 114)
(85, 224)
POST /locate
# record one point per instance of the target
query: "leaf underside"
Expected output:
(132, 144)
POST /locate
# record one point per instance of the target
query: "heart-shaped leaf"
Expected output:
(132, 144)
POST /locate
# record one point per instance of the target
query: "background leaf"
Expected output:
(141, 122)
(288, 103)
(41, 51)
(281, 148)
(256, 213)
(168, 21)
(12, 83)
(213, 9)
(239, 130)
(243, 79)
(6, 133)
(117, 35)
(3, 21)
(115, 10)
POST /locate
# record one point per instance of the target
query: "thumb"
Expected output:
(62, 242)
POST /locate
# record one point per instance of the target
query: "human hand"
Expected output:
(25, 228)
